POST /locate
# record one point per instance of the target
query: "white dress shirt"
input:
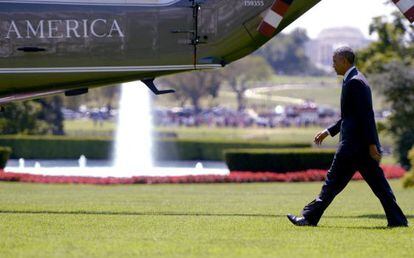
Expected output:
(348, 72)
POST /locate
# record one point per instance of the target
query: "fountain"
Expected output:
(37, 165)
(134, 129)
(199, 165)
(133, 147)
(21, 163)
(82, 161)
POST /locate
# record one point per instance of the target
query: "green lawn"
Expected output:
(322, 95)
(294, 134)
(282, 135)
(223, 220)
(285, 79)
(267, 134)
(329, 96)
(281, 90)
(226, 97)
(87, 127)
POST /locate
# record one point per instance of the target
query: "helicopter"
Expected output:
(68, 46)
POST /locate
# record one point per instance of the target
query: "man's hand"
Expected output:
(374, 153)
(320, 137)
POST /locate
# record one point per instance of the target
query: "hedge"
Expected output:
(179, 149)
(55, 147)
(4, 156)
(62, 147)
(280, 161)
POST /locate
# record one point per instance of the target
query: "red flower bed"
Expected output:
(234, 177)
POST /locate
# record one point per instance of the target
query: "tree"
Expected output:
(97, 97)
(240, 73)
(286, 54)
(396, 83)
(22, 118)
(395, 43)
(43, 116)
(51, 113)
(389, 62)
(194, 86)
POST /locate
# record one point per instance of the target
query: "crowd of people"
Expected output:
(295, 116)
(308, 114)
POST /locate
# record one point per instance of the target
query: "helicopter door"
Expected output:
(207, 31)
(175, 33)
(193, 25)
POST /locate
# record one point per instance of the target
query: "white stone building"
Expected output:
(320, 50)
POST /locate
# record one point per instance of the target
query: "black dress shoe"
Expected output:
(299, 221)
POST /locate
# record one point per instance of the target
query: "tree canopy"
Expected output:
(33, 117)
(240, 73)
(193, 86)
(395, 43)
(397, 85)
(286, 54)
(389, 62)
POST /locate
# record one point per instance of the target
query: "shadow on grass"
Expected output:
(139, 213)
(381, 216)
(354, 227)
(120, 213)
(366, 216)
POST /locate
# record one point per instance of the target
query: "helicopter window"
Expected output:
(101, 2)
(155, 2)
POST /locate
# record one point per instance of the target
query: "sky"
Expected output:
(339, 13)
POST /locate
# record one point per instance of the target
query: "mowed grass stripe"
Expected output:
(226, 220)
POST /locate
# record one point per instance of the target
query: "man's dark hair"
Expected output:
(347, 53)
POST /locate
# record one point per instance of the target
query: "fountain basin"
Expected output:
(102, 168)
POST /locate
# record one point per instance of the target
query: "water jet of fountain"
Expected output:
(21, 163)
(199, 165)
(82, 161)
(133, 138)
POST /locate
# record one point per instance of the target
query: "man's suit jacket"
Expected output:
(357, 124)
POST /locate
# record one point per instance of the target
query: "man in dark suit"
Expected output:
(359, 147)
